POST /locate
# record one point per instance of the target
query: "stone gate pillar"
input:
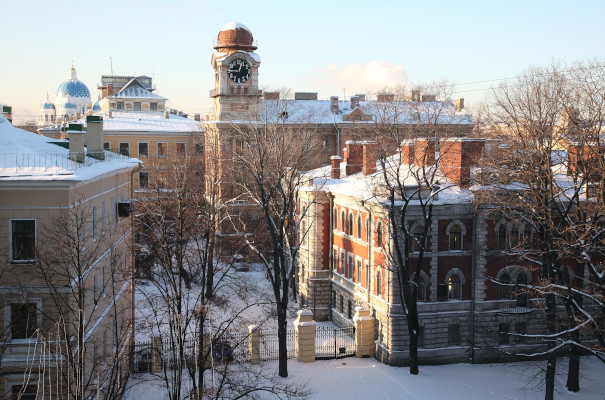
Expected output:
(156, 354)
(254, 344)
(305, 336)
(364, 332)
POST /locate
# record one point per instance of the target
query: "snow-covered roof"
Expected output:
(28, 156)
(129, 121)
(233, 25)
(219, 55)
(136, 92)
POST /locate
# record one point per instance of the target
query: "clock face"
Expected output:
(239, 71)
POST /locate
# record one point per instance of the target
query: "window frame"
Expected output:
(12, 240)
(8, 316)
(146, 154)
(127, 147)
(350, 265)
(158, 146)
(184, 153)
(145, 173)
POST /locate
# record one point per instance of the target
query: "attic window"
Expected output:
(284, 115)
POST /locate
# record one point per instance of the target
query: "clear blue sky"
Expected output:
(323, 46)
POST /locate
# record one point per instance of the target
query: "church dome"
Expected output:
(96, 107)
(47, 106)
(70, 105)
(235, 36)
(73, 87)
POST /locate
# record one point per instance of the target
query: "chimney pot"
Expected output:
(369, 157)
(459, 104)
(196, 117)
(76, 142)
(354, 102)
(354, 157)
(334, 104)
(458, 156)
(335, 164)
(95, 136)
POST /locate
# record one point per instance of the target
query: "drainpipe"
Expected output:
(370, 260)
(473, 275)
(331, 250)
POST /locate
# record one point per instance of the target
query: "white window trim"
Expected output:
(157, 147)
(462, 233)
(8, 316)
(10, 239)
(360, 259)
(176, 145)
(460, 275)
(139, 149)
(350, 256)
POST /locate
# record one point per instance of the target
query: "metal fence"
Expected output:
(25, 164)
(334, 342)
(269, 345)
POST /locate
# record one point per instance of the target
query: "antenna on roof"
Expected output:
(111, 65)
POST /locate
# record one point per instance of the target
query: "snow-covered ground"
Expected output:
(353, 378)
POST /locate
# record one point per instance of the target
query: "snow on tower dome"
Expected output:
(73, 87)
(235, 36)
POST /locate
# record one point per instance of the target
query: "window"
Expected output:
(23, 240)
(379, 283)
(527, 236)
(103, 218)
(120, 105)
(503, 334)
(359, 226)
(417, 235)
(180, 150)
(153, 106)
(326, 143)
(358, 271)
(342, 221)
(137, 106)
(94, 223)
(350, 224)
(303, 232)
(453, 288)
(521, 329)
(24, 320)
(505, 291)
(143, 149)
(368, 229)
(335, 221)
(106, 146)
(455, 237)
(342, 304)
(379, 241)
(335, 259)
(162, 179)
(96, 290)
(162, 149)
(124, 149)
(199, 149)
(453, 334)
(342, 262)
(514, 236)
(350, 265)
(349, 310)
(143, 179)
(502, 237)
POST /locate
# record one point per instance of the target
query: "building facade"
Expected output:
(66, 265)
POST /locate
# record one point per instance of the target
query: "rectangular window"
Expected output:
(137, 106)
(162, 149)
(24, 320)
(327, 143)
(180, 150)
(342, 268)
(521, 329)
(143, 149)
(342, 304)
(94, 223)
(503, 336)
(143, 179)
(335, 259)
(153, 106)
(350, 264)
(349, 310)
(453, 334)
(106, 146)
(103, 217)
(96, 290)
(358, 271)
(29, 392)
(23, 240)
(120, 105)
(124, 149)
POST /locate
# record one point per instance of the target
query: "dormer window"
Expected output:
(284, 115)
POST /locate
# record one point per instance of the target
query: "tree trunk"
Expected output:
(573, 374)
(551, 365)
(282, 339)
(414, 332)
(210, 267)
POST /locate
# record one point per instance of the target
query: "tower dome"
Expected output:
(47, 105)
(235, 36)
(70, 105)
(48, 112)
(73, 87)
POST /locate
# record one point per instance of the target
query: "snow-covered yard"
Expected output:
(353, 378)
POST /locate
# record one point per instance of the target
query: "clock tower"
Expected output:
(235, 66)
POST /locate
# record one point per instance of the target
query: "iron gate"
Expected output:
(333, 343)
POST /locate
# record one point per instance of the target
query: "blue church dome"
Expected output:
(73, 88)
(47, 106)
(70, 105)
(96, 107)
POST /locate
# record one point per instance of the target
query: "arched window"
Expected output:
(359, 226)
(514, 236)
(379, 233)
(502, 237)
(379, 283)
(350, 224)
(454, 288)
(343, 221)
(368, 229)
(335, 219)
(417, 238)
(455, 237)
(505, 291)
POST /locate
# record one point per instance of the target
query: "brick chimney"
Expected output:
(271, 95)
(353, 157)
(196, 117)
(424, 151)
(415, 95)
(458, 156)
(335, 163)
(459, 104)
(407, 151)
(582, 159)
(334, 104)
(354, 102)
(385, 97)
(109, 89)
(369, 157)
(94, 136)
(76, 134)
